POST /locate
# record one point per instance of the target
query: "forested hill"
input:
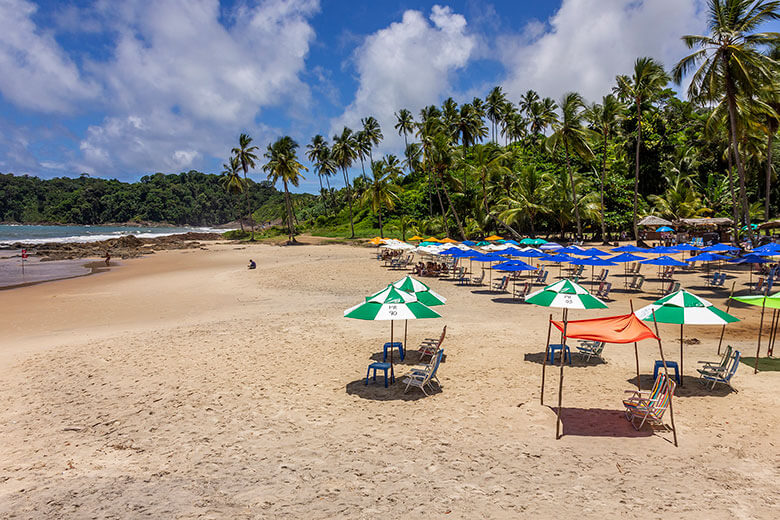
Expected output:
(191, 198)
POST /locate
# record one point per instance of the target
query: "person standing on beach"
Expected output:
(108, 258)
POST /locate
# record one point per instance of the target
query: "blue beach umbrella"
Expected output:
(707, 257)
(630, 248)
(468, 243)
(720, 247)
(513, 267)
(570, 250)
(750, 259)
(626, 257)
(664, 229)
(489, 258)
(686, 247)
(592, 261)
(664, 250)
(665, 261)
(595, 252)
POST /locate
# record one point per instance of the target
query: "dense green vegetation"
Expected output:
(190, 198)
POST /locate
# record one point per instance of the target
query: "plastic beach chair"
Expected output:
(424, 377)
(718, 365)
(589, 349)
(430, 346)
(720, 374)
(649, 407)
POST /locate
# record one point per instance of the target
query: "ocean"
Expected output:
(10, 234)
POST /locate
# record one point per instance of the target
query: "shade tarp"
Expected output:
(613, 329)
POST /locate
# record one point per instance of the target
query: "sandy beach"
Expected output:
(182, 385)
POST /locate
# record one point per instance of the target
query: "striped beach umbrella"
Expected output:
(565, 294)
(684, 308)
(391, 304)
(425, 294)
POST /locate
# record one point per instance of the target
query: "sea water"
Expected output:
(10, 234)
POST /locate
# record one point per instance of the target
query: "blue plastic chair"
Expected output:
(555, 348)
(396, 344)
(669, 364)
(380, 366)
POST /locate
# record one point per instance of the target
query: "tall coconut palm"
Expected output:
(730, 64)
(343, 154)
(527, 101)
(316, 152)
(769, 117)
(373, 133)
(404, 124)
(283, 164)
(231, 180)
(604, 118)
(362, 146)
(247, 157)
(542, 115)
(570, 134)
(382, 192)
(642, 88)
(494, 103)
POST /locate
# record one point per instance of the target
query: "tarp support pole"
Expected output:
(636, 352)
(772, 333)
(666, 372)
(760, 326)
(560, 382)
(406, 324)
(728, 306)
(546, 353)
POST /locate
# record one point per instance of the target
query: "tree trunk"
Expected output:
(636, 166)
(454, 213)
(290, 223)
(349, 200)
(603, 179)
(734, 210)
(240, 220)
(735, 146)
(381, 233)
(248, 205)
(573, 193)
(768, 170)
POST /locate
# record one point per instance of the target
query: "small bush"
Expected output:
(236, 234)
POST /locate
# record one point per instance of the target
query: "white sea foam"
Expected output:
(107, 236)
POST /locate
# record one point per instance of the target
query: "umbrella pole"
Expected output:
(406, 324)
(682, 378)
(728, 306)
(760, 326)
(560, 381)
(666, 372)
(546, 353)
(636, 352)
(392, 373)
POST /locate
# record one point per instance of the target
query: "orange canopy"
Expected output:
(432, 239)
(492, 238)
(448, 240)
(614, 329)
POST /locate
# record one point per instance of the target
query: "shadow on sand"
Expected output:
(576, 361)
(394, 391)
(693, 387)
(598, 422)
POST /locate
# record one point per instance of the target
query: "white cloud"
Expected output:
(589, 42)
(34, 71)
(407, 65)
(182, 84)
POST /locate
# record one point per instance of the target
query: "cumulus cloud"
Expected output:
(408, 64)
(179, 77)
(34, 71)
(589, 42)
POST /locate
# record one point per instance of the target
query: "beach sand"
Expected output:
(182, 385)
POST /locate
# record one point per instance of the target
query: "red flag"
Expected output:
(24, 254)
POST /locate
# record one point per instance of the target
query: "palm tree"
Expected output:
(573, 137)
(363, 148)
(604, 119)
(381, 192)
(246, 156)
(643, 87)
(231, 180)
(730, 64)
(344, 155)
(542, 115)
(317, 152)
(526, 199)
(404, 124)
(527, 102)
(373, 133)
(283, 164)
(494, 104)
(769, 115)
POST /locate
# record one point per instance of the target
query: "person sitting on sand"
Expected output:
(252, 264)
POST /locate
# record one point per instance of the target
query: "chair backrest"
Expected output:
(759, 283)
(436, 364)
(675, 287)
(443, 333)
(769, 284)
(726, 356)
(599, 348)
(544, 277)
(734, 365)
(664, 396)
(607, 288)
(640, 282)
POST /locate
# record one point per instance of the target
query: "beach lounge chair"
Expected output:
(720, 374)
(649, 407)
(589, 349)
(429, 346)
(718, 365)
(541, 277)
(424, 377)
(603, 291)
(636, 283)
(521, 291)
(500, 285)
(720, 280)
(477, 280)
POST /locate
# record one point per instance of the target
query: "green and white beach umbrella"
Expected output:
(565, 294)
(390, 304)
(425, 294)
(684, 308)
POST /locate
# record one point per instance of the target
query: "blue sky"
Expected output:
(123, 89)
